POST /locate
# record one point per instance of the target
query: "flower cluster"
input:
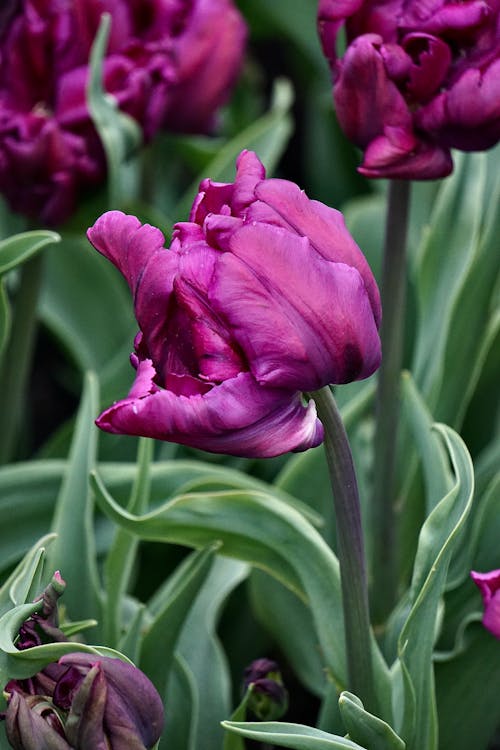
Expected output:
(169, 64)
(262, 295)
(417, 79)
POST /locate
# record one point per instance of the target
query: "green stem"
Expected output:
(350, 549)
(17, 359)
(383, 505)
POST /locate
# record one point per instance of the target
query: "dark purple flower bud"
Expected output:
(32, 723)
(263, 294)
(268, 698)
(169, 64)
(90, 702)
(417, 79)
(489, 586)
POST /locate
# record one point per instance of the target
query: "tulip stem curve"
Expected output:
(350, 549)
(17, 359)
(383, 506)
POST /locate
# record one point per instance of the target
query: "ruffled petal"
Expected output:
(238, 417)
(127, 243)
(366, 99)
(398, 154)
(302, 321)
(323, 226)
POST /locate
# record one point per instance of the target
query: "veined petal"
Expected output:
(302, 321)
(237, 417)
(323, 226)
(127, 243)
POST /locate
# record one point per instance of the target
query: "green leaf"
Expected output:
(438, 539)
(202, 652)
(122, 555)
(291, 624)
(365, 728)
(456, 274)
(294, 736)
(96, 329)
(437, 475)
(267, 136)
(119, 133)
(233, 741)
(17, 249)
(25, 578)
(73, 552)
(182, 702)
(169, 609)
(260, 529)
(16, 664)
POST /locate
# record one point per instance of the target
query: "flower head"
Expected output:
(417, 79)
(489, 586)
(263, 294)
(84, 701)
(169, 63)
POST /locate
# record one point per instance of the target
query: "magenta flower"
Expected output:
(168, 64)
(263, 294)
(417, 79)
(84, 701)
(489, 586)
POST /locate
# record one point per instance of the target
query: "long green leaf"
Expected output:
(119, 133)
(264, 531)
(295, 736)
(73, 552)
(438, 538)
(169, 609)
(17, 249)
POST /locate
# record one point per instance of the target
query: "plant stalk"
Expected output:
(18, 356)
(350, 550)
(384, 576)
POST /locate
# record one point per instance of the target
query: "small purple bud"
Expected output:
(268, 698)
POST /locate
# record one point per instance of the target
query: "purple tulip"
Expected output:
(489, 586)
(263, 294)
(169, 64)
(417, 79)
(84, 701)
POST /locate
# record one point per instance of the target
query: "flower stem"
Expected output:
(350, 549)
(383, 505)
(17, 358)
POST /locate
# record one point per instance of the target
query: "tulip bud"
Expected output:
(32, 723)
(268, 698)
(84, 701)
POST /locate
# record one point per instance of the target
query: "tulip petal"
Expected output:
(133, 715)
(237, 417)
(489, 586)
(323, 226)
(302, 321)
